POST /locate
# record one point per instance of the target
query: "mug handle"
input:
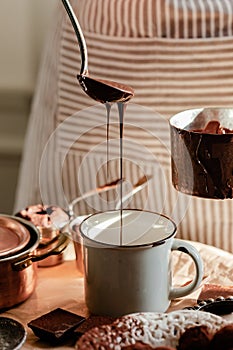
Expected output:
(187, 248)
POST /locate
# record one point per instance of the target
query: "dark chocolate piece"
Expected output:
(195, 338)
(56, 326)
(223, 339)
(214, 127)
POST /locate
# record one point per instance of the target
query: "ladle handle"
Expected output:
(80, 37)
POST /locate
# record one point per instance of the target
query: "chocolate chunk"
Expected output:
(56, 326)
(195, 338)
(214, 127)
(223, 339)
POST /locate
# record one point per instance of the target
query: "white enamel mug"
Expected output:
(127, 262)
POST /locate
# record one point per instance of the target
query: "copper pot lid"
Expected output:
(13, 236)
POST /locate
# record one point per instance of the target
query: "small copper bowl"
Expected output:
(50, 221)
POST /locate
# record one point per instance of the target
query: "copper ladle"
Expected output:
(98, 89)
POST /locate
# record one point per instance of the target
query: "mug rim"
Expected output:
(98, 244)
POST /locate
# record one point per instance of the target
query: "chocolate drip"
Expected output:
(202, 164)
(121, 109)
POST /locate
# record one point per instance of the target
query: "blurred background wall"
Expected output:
(23, 28)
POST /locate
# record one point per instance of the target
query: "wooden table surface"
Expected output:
(62, 286)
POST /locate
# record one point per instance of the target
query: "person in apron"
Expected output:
(176, 55)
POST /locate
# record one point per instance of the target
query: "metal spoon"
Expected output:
(142, 182)
(98, 190)
(98, 89)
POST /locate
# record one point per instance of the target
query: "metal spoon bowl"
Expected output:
(141, 183)
(100, 90)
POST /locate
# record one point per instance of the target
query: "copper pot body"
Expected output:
(18, 272)
(16, 286)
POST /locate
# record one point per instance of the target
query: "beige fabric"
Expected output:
(176, 55)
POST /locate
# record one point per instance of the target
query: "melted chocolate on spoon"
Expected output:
(105, 90)
(121, 109)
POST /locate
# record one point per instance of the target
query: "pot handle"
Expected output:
(62, 242)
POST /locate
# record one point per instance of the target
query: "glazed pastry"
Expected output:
(154, 329)
(143, 346)
(91, 322)
(138, 346)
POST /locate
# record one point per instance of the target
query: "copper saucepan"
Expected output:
(18, 268)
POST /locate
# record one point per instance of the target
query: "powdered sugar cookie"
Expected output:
(154, 329)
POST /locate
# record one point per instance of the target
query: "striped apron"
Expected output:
(177, 55)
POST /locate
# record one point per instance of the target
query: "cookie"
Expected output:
(154, 329)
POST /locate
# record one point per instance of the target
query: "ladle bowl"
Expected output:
(104, 91)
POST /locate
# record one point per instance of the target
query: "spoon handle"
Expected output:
(80, 37)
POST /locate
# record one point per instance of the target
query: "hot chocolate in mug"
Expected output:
(127, 262)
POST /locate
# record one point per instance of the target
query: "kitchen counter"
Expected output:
(62, 286)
